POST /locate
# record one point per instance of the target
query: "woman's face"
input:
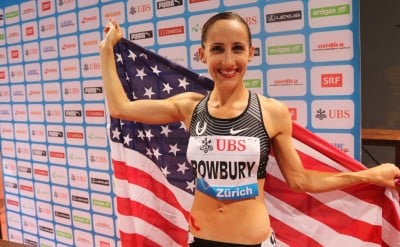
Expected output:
(226, 51)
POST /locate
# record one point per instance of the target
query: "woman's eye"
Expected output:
(238, 48)
(217, 49)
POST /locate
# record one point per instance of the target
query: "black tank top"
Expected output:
(248, 124)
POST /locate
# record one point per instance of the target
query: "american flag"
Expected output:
(154, 183)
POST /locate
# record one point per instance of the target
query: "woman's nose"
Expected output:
(228, 58)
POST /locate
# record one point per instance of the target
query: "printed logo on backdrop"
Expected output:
(80, 199)
(195, 24)
(199, 5)
(46, 229)
(5, 112)
(46, 8)
(20, 112)
(93, 90)
(32, 72)
(49, 49)
(75, 135)
(177, 54)
(96, 136)
(23, 150)
(67, 23)
(1, 17)
(44, 210)
(252, 18)
(3, 55)
(284, 16)
(17, 75)
(82, 219)
(331, 46)
(29, 224)
(28, 10)
(57, 155)
(286, 82)
(18, 93)
(9, 166)
(7, 131)
(103, 225)
(13, 34)
(76, 156)
(5, 95)
(253, 81)
(58, 175)
(2, 36)
(37, 132)
(21, 131)
(73, 113)
(28, 206)
(55, 134)
(102, 203)
(114, 11)
(47, 27)
(288, 49)
(330, 13)
(333, 114)
(53, 113)
(52, 91)
(89, 43)
(78, 178)
(169, 7)
(70, 68)
(98, 159)
(30, 31)
(71, 91)
(3, 75)
(31, 51)
(65, 5)
(139, 10)
(15, 54)
(95, 113)
(39, 152)
(12, 14)
(89, 19)
(332, 80)
(50, 70)
(171, 31)
(41, 173)
(142, 34)
(342, 141)
(90, 66)
(11, 185)
(68, 46)
(36, 113)
(25, 188)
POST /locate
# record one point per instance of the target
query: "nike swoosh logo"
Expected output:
(235, 132)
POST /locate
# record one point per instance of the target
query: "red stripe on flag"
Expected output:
(323, 213)
(135, 240)
(145, 180)
(290, 236)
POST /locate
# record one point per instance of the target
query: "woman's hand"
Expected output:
(386, 174)
(113, 35)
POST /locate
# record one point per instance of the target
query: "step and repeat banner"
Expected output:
(55, 156)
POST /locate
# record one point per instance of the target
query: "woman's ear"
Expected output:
(251, 53)
(200, 51)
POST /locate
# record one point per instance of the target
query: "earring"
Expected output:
(203, 60)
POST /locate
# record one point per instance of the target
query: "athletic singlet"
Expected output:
(228, 155)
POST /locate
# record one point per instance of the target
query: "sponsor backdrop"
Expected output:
(55, 153)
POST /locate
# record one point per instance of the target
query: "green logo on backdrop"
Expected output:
(330, 11)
